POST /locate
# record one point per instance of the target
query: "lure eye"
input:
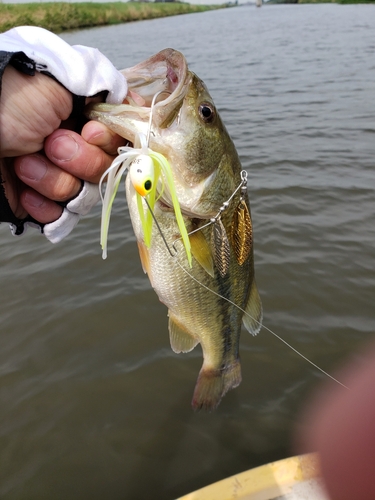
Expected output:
(141, 173)
(206, 112)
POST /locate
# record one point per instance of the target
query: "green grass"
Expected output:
(61, 16)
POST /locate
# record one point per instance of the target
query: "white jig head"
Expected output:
(142, 174)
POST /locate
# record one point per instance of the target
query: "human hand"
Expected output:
(56, 175)
(33, 107)
(34, 113)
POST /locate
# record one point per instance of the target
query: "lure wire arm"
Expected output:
(160, 230)
(242, 186)
(225, 205)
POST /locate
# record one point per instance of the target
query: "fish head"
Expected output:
(172, 107)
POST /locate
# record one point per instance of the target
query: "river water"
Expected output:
(94, 404)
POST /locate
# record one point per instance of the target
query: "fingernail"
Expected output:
(33, 168)
(64, 148)
(34, 199)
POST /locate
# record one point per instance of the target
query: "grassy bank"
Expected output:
(62, 16)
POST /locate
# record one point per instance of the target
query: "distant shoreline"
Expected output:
(62, 16)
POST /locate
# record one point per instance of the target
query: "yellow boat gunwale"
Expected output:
(264, 482)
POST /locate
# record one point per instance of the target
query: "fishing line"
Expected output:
(153, 102)
(233, 303)
(256, 321)
(160, 231)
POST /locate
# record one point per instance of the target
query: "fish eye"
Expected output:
(207, 112)
(148, 185)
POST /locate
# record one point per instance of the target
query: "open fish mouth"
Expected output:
(160, 82)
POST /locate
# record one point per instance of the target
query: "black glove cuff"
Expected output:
(21, 62)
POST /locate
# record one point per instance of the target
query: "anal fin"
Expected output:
(181, 341)
(252, 320)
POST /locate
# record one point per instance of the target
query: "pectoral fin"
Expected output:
(252, 320)
(201, 251)
(181, 341)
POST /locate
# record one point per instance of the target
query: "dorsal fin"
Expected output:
(252, 320)
(181, 341)
(201, 251)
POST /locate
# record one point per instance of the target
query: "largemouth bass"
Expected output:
(209, 298)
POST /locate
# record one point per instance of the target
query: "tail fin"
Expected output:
(212, 385)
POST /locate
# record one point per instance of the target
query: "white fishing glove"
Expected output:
(85, 72)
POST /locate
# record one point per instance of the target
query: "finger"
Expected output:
(69, 151)
(47, 179)
(32, 107)
(39, 207)
(97, 134)
(341, 428)
(12, 187)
